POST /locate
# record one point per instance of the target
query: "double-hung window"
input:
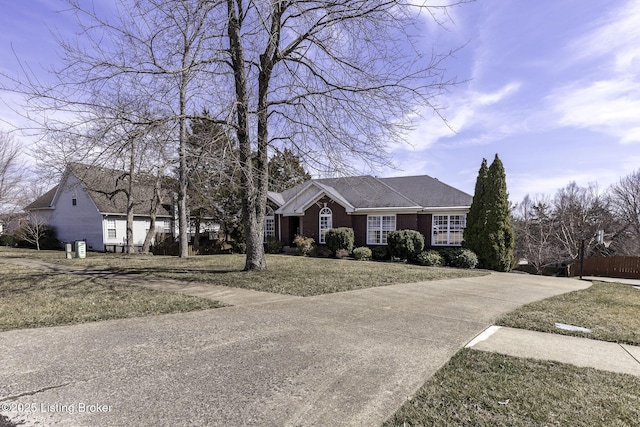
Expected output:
(111, 228)
(448, 230)
(326, 223)
(378, 227)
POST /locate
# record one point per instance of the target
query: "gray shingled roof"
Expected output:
(429, 192)
(368, 192)
(103, 185)
(42, 202)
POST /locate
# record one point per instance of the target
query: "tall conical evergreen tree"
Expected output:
(498, 231)
(474, 233)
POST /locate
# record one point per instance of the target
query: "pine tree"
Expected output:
(498, 230)
(474, 233)
(285, 171)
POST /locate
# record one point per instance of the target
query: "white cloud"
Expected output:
(606, 96)
(617, 38)
(609, 106)
(463, 112)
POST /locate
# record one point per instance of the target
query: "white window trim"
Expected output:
(382, 229)
(322, 231)
(114, 228)
(269, 217)
(448, 231)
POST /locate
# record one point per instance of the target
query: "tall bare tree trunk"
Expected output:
(130, 197)
(250, 194)
(183, 179)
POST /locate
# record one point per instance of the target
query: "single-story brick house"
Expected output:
(372, 207)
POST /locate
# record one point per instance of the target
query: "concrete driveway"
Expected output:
(348, 359)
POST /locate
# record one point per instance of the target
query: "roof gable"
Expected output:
(106, 188)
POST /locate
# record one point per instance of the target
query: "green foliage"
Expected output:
(499, 234)
(488, 232)
(273, 245)
(214, 177)
(304, 244)
(340, 238)
(362, 253)
(380, 253)
(7, 240)
(405, 244)
(285, 171)
(464, 258)
(430, 259)
(477, 217)
(49, 243)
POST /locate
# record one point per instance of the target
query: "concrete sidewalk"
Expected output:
(583, 352)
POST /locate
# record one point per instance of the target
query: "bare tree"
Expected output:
(580, 212)
(625, 202)
(535, 228)
(332, 80)
(338, 79)
(10, 173)
(33, 228)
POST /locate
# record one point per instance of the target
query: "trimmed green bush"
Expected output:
(405, 244)
(340, 238)
(430, 259)
(362, 253)
(304, 244)
(464, 258)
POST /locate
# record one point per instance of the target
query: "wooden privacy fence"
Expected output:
(623, 267)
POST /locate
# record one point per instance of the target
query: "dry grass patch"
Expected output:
(34, 298)
(610, 310)
(291, 275)
(486, 389)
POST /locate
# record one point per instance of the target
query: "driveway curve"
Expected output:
(348, 359)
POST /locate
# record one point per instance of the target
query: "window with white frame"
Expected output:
(325, 223)
(448, 230)
(111, 228)
(166, 226)
(269, 223)
(378, 227)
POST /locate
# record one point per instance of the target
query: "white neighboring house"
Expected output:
(86, 205)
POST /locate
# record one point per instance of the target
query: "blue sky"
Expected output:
(552, 86)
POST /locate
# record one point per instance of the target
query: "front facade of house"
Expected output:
(80, 213)
(372, 207)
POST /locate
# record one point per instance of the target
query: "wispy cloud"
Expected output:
(468, 110)
(607, 99)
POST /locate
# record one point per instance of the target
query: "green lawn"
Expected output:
(486, 389)
(31, 298)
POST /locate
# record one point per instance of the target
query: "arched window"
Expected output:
(326, 223)
(269, 223)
